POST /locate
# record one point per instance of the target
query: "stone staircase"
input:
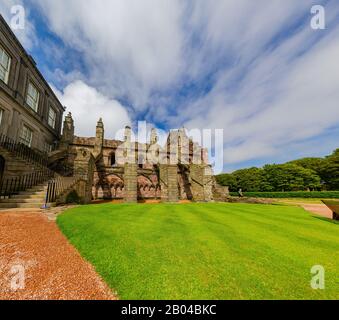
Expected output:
(31, 198)
(16, 166)
(27, 179)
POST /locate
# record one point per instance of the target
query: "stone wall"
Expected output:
(130, 181)
(84, 169)
(197, 182)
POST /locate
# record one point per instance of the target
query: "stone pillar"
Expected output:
(173, 192)
(208, 183)
(163, 175)
(14, 130)
(197, 182)
(131, 182)
(99, 139)
(169, 183)
(84, 169)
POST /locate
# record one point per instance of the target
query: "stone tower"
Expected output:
(99, 138)
(128, 134)
(68, 131)
(130, 168)
(154, 137)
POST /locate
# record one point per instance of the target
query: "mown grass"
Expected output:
(206, 251)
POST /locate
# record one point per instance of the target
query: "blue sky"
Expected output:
(253, 68)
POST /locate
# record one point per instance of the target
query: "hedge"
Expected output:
(290, 194)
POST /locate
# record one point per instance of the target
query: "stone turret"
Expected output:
(154, 137)
(99, 138)
(128, 134)
(68, 132)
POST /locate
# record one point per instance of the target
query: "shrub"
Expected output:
(300, 194)
(73, 197)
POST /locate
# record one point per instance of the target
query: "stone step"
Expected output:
(37, 189)
(27, 200)
(20, 205)
(29, 195)
(19, 166)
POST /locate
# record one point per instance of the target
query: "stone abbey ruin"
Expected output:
(137, 171)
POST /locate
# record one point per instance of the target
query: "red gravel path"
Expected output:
(319, 209)
(53, 268)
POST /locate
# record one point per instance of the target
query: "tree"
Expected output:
(248, 179)
(330, 171)
(290, 177)
(297, 175)
(314, 164)
(227, 180)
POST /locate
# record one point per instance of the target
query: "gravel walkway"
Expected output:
(37, 262)
(319, 209)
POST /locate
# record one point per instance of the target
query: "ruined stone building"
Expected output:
(40, 161)
(178, 171)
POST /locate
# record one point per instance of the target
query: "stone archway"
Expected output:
(110, 186)
(147, 187)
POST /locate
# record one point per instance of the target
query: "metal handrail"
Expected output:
(57, 187)
(23, 151)
(13, 186)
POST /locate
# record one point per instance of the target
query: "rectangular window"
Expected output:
(26, 136)
(32, 98)
(5, 65)
(1, 116)
(48, 147)
(52, 117)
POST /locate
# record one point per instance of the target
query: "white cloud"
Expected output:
(304, 103)
(87, 106)
(131, 47)
(274, 84)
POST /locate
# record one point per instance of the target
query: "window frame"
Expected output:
(31, 84)
(8, 70)
(48, 147)
(23, 139)
(54, 123)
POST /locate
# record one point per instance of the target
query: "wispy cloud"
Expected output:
(88, 105)
(254, 68)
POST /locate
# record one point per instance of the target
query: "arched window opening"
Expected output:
(113, 160)
(141, 161)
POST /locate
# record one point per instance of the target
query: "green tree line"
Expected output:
(298, 175)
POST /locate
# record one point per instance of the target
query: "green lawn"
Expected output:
(206, 251)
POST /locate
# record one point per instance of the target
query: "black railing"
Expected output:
(57, 186)
(15, 185)
(23, 151)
